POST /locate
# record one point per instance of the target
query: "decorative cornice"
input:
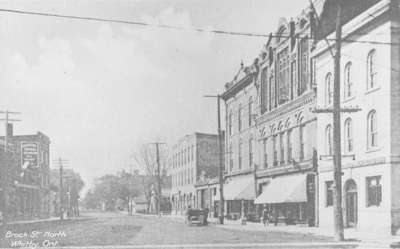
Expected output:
(300, 102)
(304, 166)
(241, 172)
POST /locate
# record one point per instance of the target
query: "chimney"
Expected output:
(9, 130)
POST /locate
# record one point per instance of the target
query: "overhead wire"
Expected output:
(172, 27)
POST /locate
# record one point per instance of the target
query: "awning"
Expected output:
(285, 189)
(242, 188)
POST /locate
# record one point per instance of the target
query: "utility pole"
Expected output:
(5, 169)
(60, 162)
(158, 178)
(337, 154)
(221, 165)
(337, 110)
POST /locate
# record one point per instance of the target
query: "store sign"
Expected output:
(30, 155)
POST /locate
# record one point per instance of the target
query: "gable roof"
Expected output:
(350, 9)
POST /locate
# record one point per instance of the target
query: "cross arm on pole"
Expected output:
(330, 110)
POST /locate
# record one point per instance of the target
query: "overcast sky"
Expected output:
(98, 90)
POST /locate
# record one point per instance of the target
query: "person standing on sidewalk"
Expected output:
(265, 216)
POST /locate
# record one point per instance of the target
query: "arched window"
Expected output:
(372, 129)
(348, 82)
(240, 154)
(240, 117)
(230, 158)
(250, 111)
(251, 160)
(328, 89)
(348, 136)
(230, 123)
(371, 70)
(328, 140)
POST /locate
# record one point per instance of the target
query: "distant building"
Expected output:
(193, 157)
(28, 167)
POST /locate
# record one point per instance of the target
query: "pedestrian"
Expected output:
(206, 211)
(265, 216)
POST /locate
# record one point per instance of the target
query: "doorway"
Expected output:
(351, 203)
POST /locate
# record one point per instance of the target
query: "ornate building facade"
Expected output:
(286, 172)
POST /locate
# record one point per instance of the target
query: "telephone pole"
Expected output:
(221, 165)
(337, 110)
(157, 144)
(337, 153)
(5, 169)
(60, 163)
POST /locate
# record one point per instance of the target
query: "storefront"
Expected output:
(239, 195)
(290, 199)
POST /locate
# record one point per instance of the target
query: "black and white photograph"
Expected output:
(128, 124)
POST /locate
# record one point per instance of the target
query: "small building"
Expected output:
(192, 156)
(207, 192)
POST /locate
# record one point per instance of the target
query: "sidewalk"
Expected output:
(31, 221)
(366, 239)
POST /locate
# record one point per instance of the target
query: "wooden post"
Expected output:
(337, 157)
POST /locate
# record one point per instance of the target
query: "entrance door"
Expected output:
(351, 203)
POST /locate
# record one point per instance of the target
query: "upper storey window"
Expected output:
(371, 70)
(348, 81)
(304, 65)
(272, 102)
(283, 76)
(264, 89)
(230, 116)
(250, 111)
(372, 130)
(240, 117)
(328, 89)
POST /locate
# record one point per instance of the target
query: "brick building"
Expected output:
(193, 157)
(240, 98)
(28, 175)
(285, 122)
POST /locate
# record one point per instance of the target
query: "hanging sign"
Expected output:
(30, 155)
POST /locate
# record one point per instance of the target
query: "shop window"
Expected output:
(329, 193)
(374, 191)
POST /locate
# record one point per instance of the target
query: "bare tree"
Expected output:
(145, 159)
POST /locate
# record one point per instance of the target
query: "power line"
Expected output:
(166, 26)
